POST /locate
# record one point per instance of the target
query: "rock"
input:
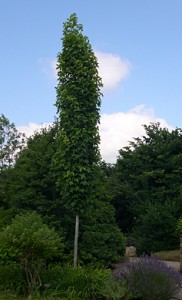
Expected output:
(130, 251)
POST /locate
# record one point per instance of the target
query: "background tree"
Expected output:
(11, 143)
(33, 183)
(32, 186)
(147, 178)
(78, 104)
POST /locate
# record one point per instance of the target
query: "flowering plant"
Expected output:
(148, 278)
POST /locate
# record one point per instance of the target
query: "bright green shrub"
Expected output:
(85, 283)
(30, 243)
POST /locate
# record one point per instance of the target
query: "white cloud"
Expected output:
(53, 65)
(118, 128)
(112, 69)
(48, 67)
(115, 129)
(31, 128)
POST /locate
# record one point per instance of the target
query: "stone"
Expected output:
(130, 251)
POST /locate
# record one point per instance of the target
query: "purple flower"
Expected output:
(150, 278)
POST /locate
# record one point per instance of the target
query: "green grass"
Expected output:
(7, 296)
(172, 255)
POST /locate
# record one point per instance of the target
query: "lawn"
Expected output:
(6, 296)
(172, 255)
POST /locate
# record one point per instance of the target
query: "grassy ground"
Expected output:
(172, 255)
(8, 296)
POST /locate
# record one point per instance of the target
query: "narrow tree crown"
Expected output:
(78, 105)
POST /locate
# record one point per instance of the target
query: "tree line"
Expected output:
(140, 195)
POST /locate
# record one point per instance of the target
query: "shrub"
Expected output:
(155, 229)
(99, 229)
(150, 278)
(30, 243)
(70, 282)
(179, 226)
(12, 278)
(114, 289)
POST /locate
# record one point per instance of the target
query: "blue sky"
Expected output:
(139, 47)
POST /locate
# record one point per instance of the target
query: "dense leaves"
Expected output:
(33, 185)
(30, 243)
(11, 142)
(59, 173)
(78, 103)
(147, 186)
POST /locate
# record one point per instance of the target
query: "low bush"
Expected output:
(149, 278)
(84, 283)
(29, 244)
(179, 226)
(113, 289)
(69, 282)
(13, 279)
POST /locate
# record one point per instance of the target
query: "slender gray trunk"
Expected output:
(75, 262)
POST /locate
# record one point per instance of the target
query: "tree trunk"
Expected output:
(76, 242)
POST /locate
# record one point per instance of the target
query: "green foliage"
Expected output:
(78, 103)
(28, 237)
(6, 216)
(85, 283)
(11, 141)
(98, 229)
(147, 176)
(13, 279)
(33, 181)
(115, 290)
(33, 186)
(155, 229)
(31, 243)
(179, 226)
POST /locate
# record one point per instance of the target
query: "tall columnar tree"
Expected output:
(78, 104)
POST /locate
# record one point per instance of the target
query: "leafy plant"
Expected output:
(179, 226)
(155, 228)
(11, 142)
(69, 282)
(150, 278)
(78, 104)
(31, 243)
(115, 289)
(13, 279)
